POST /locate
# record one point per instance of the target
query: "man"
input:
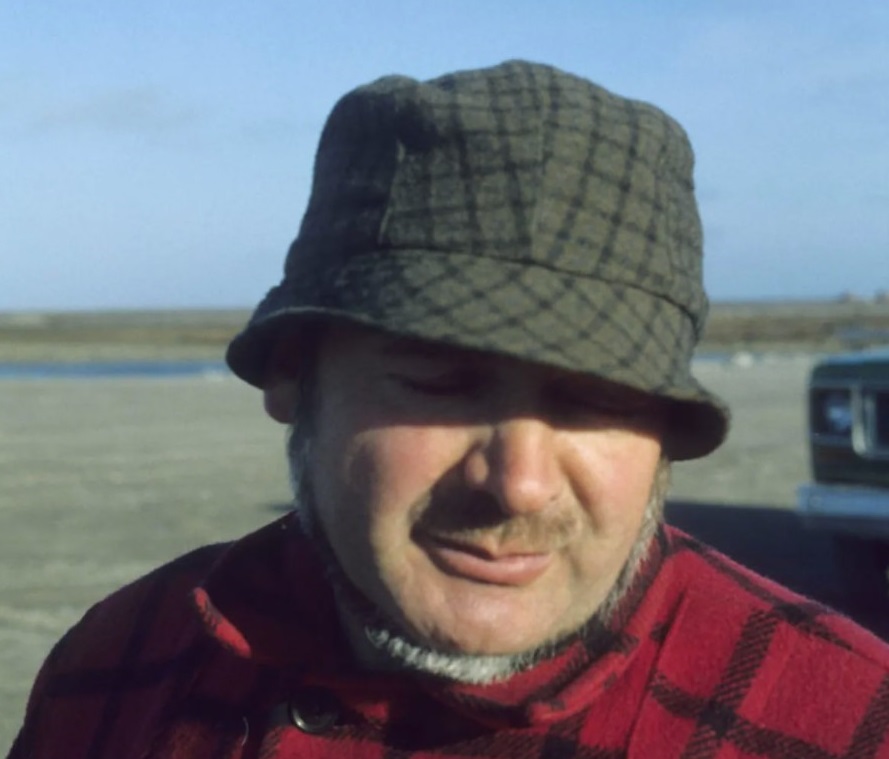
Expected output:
(483, 342)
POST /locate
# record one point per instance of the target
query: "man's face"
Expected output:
(484, 504)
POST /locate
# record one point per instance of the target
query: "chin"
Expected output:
(485, 641)
(487, 625)
(481, 644)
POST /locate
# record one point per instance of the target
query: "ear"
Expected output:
(281, 388)
(279, 398)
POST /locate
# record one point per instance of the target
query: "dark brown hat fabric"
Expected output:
(515, 209)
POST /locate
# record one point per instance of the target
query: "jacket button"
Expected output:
(313, 710)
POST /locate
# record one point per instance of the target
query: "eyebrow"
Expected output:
(405, 347)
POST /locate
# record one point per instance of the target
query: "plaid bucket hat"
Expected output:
(516, 209)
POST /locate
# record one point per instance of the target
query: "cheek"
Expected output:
(615, 482)
(370, 490)
(382, 475)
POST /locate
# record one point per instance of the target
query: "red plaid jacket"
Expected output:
(705, 660)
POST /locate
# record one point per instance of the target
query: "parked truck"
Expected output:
(848, 409)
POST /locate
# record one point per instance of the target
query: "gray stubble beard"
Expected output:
(379, 644)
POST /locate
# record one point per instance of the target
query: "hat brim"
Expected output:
(616, 332)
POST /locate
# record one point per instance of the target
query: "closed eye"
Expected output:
(600, 405)
(445, 384)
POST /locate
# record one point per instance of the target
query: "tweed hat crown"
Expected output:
(516, 209)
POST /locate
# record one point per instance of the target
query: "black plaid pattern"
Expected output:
(803, 615)
(516, 209)
(139, 676)
(719, 725)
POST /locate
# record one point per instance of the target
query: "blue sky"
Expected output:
(159, 154)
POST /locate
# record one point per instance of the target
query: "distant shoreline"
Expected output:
(202, 335)
(124, 369)
(216, 368)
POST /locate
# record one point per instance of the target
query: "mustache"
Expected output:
(475, 515)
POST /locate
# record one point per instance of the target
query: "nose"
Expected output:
(517, 462)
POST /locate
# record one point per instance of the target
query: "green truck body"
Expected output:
(848, 409)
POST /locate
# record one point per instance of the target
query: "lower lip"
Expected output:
(512, 570)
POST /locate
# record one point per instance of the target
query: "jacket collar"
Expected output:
(267, 601)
